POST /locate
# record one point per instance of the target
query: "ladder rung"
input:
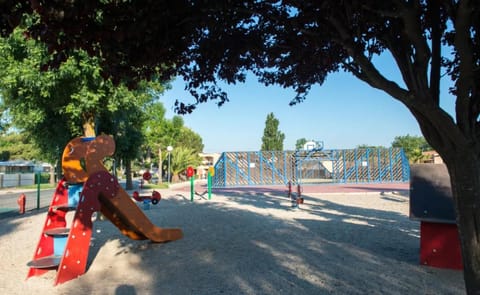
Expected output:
(63, 207)
(45, 262)
(59, 231)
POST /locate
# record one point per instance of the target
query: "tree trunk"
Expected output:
(88, 125)
(465, 181)
(59, 170)
(128, 175)
(175, 178)
(52, 174)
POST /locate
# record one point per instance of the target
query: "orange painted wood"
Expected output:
(73, 155)
(128, 217)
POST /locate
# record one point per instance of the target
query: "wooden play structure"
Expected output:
(87, 187)
(431, 203)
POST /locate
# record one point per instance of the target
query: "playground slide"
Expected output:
(124, 213)
(119, 209)
(66, 248)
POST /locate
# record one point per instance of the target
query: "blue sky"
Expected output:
(343, 113)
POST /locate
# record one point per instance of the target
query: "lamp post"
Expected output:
(169, 150)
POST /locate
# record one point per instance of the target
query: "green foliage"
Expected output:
(18, 146)
(152, 186)
(51, 106)
(125, 122)
(413, 147)
(300, 143)
(181, 158)
(161, 132)
(46, 105)
(188, 138)
(272, 139)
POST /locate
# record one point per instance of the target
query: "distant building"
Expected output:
(432, 157)
(18, 173)
(20, 166)
(208, 160)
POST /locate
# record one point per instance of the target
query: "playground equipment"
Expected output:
(154, 198)
(145, 177)
(87, 187)
(190, 173)
(211, 173)
(145, 199)
(296, 199)
(431, 203)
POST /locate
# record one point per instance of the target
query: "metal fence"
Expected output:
(16, 179)
(364, 165)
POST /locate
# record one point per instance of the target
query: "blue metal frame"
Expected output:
(335, 166)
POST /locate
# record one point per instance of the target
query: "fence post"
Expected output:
(38, 190)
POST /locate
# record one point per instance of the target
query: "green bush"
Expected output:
(44, 178)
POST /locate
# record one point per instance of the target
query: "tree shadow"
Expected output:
(241, 245)
(11, 220)
(125, 290)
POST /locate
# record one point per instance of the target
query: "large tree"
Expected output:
(125, 122)
(297, 44)
(51, 107)
(272, 139)
(18, 146)
(181, 158)
(161, 132)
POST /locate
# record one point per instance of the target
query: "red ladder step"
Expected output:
(55, 219)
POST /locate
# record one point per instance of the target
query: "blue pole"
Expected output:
(225, 168)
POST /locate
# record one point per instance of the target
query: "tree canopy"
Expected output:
(51, 107)
(160, 133)
(18, 146)
(414, 146)
(300, 143)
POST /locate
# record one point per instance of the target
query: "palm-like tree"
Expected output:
(181, 158)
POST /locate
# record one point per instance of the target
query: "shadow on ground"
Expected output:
(227, 249)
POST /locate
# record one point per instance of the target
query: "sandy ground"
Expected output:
(245, 242)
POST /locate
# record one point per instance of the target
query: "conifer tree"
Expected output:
(272, 139)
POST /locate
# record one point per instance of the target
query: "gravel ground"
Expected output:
(245, 242)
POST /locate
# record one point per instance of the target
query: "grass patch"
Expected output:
(42, 186)
(155, 186)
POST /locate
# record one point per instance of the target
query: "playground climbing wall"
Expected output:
(364, 165)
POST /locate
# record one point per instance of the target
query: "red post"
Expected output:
(290, 190)
(299, 195)
(21, 201)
